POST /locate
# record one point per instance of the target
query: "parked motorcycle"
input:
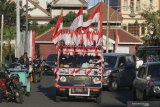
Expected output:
(10, 88)
(37, 71)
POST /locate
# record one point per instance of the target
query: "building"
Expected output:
(38, 11)
(67, 6)
(127, 41)
(131, 10)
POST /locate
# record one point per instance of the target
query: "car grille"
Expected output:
(79, 79)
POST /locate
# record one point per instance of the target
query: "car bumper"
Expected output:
(65, 92)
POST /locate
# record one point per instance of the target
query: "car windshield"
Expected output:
(51, 58)
(110, 61)
(79, 61)
(154, 71)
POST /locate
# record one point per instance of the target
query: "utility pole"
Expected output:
(107, 27)
(2, 22)
(17, 44)
(26, 32)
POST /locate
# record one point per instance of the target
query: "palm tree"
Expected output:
(8, 9)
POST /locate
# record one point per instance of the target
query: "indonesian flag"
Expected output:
(116, 39)
(78, 21)
(56, 31)
(96, 16)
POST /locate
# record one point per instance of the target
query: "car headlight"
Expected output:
(63, 79)
(96, 80)
(156, 89)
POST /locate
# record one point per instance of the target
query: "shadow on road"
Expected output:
(108, 105)
(50, 92)
(123, 95)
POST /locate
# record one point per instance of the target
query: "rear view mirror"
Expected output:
(105, 63)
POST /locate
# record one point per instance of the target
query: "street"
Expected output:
(42, 95)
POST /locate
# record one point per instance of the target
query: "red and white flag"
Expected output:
(96, 17)
(116, 39)
(78, 21)
(56, 30)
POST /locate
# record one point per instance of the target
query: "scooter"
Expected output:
(10, 89)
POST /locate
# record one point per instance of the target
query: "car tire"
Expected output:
(114, 86)
(58, 99)
(98, 99)
(19, 99)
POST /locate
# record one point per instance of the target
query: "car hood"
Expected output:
(156, 81)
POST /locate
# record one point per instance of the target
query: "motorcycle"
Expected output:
(37, 72)
(10, 89)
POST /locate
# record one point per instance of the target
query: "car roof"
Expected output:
(116, 54)
(151, 63)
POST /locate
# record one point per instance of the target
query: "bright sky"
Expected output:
(93, 2)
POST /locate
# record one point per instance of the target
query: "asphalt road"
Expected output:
(42, 95)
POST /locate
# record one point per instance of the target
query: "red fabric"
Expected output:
(57, 28)
(116, 39)
(33, 45)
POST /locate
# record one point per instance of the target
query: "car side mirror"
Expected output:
(148, 77)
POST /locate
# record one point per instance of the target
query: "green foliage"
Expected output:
(152, 20)
(8, 9)
(67, 20)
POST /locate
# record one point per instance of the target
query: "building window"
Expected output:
(134, 29)
(143, 30)
(138, 5)
(132, 5)
(125, 6)
(151, 3)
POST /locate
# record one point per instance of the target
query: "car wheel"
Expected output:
(58, 98)
(114, 86)
(98, 99)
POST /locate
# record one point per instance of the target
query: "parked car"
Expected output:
(50, 63)
(147, 81)
(119, 70)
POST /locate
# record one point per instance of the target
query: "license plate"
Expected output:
(79, 92)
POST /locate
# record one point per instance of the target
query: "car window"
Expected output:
(154, 71)
(51, 57)
(121, 62)
(129, 60)
(110, 60)
(141, 72)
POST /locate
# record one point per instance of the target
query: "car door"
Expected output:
(140, 80)
(130, 71)
(121, 71)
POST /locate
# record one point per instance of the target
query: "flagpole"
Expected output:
(2, 22)
(107, 28)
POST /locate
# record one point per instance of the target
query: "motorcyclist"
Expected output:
(24, 60)
(38, 61)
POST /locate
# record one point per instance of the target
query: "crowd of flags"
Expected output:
(81, 32)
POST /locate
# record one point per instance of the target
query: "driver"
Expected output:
(24, 59)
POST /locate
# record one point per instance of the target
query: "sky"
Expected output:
(93, 2)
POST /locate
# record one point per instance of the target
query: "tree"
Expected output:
(9, 35)
(8, 9)
(152, 21)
